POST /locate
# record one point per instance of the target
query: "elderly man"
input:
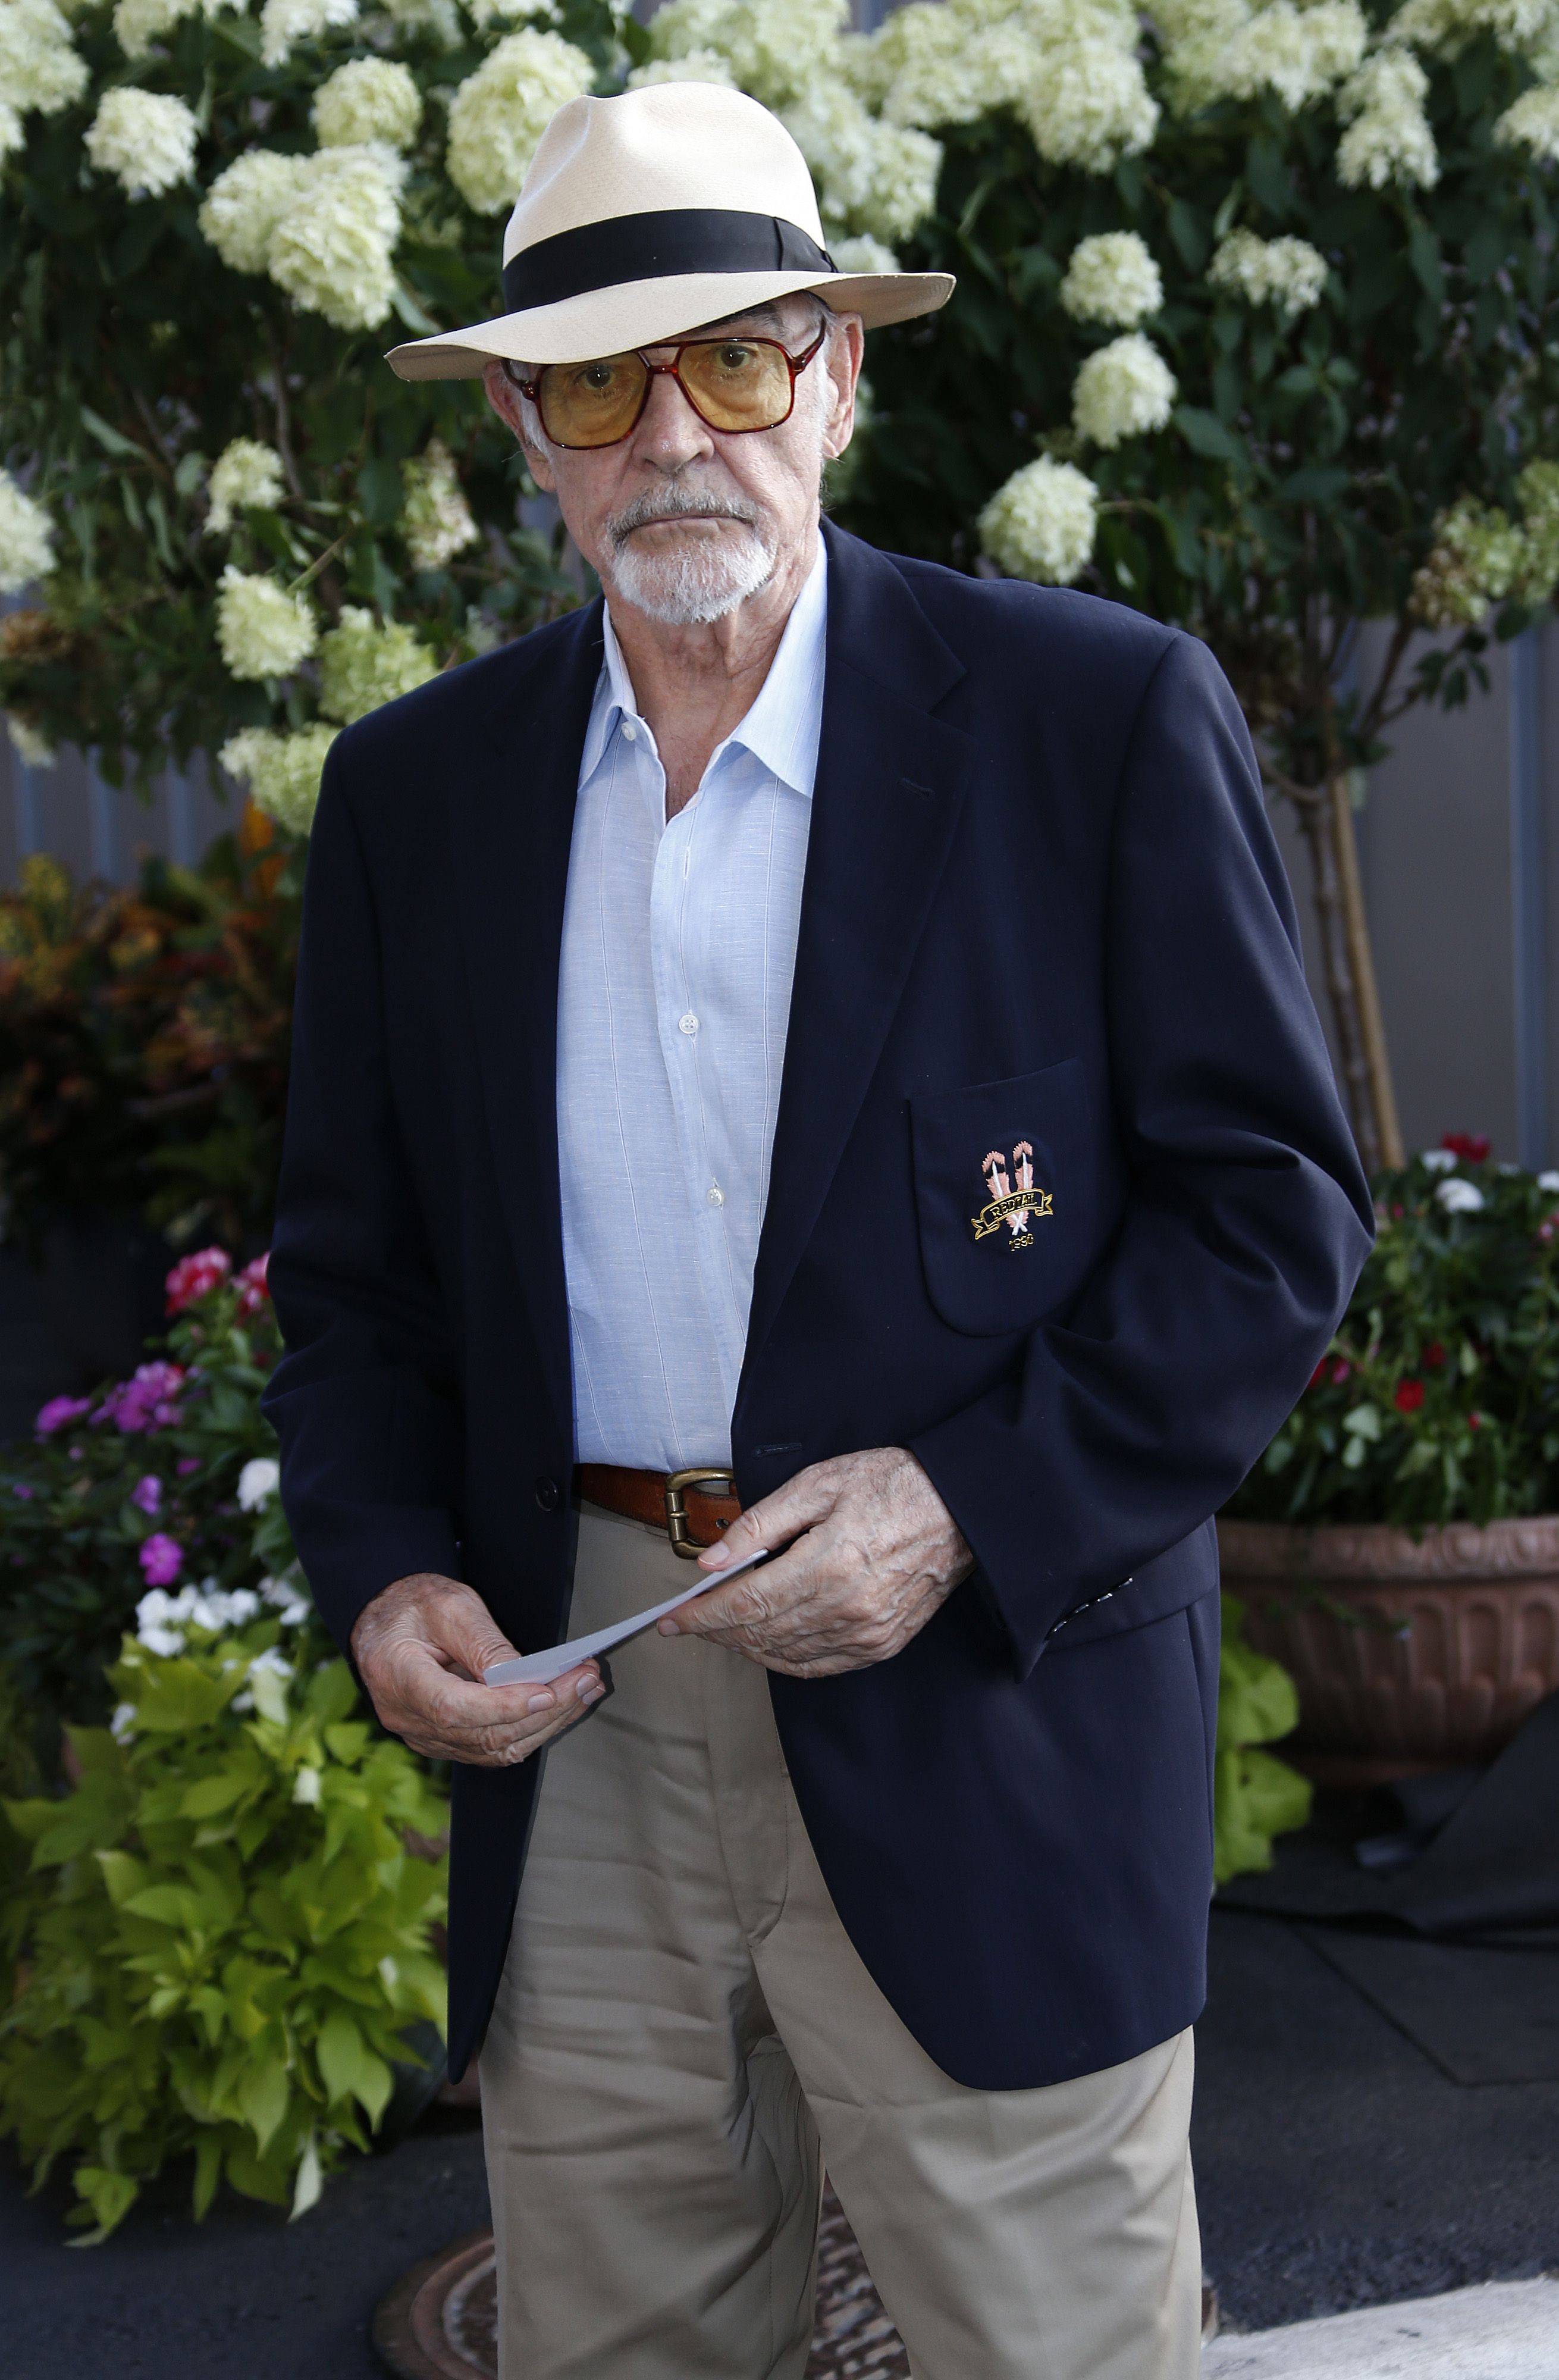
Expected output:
(832, 1030)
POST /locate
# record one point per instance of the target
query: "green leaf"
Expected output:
(110, 2195)
(113, 440)
(1206, 434)
(1316, 484)
(264, 2092)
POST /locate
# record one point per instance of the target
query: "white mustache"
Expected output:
(677, 503)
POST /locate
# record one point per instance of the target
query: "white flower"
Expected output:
(1124, 391)
(282, 22)
(258, 1482)
(144, 139)
(1439, 1161)
(1459, 1198)
(1532, 123)
(27, 539)
(1088, 104)
(367, 99)
(38, 68)
(500, 113)
(1112, 278)
(306, 1787)
(1288, 273)
(861, 253)
(245, 204)
(156, 1615)
(694, 66)
(288, 1598)
(1549, 1182)
(246, 475)
(437, 523)
(334, 243)
(282, 772)
(33, 750)
(362, 665)
(139, 23)
(945, 61)
(273, 1663)
(484, 13)
(775, 49)
(214, 1610)
(1221, 49)
(264, 631)
(121, 1724)
(1477, 558)
(1388, 139)
(439, 18)
(1041, 524)
(1522, 26)
(874, 177)
(13, 132)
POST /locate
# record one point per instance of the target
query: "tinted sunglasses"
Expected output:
(733, 384)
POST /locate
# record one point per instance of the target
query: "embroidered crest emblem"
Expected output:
(1014, 1205)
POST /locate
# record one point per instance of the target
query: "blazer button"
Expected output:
(548, 1495)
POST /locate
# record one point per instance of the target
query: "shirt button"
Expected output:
(630, 731)
(548, 1495)
(714, 1194)
(688, 1025)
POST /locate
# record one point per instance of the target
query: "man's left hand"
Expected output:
(875, 1553)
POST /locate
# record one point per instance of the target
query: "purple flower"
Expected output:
(26, 1494)
(147, 1402)
(161, 1560)
(58, 1412)
(186, 1465)
(146, 1494)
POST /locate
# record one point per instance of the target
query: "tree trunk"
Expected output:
(1361, 960)
(1326, 815)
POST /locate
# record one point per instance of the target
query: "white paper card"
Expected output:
(540, 1668)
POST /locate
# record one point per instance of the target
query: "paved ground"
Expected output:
(1337, 2167)
(1503, 2330)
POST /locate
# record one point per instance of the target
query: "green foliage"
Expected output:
(1439, 1398)
(1255, 1797)
(141, 1484)
(225, 1933)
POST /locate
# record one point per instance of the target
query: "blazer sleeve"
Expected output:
(1247, 1217)
(364, 1400)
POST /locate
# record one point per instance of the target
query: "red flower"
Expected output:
(1340, 1371)
(1409, 1396)
(251, 1286)
(1396, 1213)
(1318, 1374)
(195, 1277)
(1473, 1148)
(1434, 1355)
(1475, 1421)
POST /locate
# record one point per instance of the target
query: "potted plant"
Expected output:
(1398, 1548)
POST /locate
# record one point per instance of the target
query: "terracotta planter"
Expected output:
(1410, 1653)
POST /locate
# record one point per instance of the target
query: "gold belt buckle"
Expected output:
(676, 1511)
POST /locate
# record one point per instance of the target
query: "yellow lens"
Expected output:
(737, 384)
(593, 404)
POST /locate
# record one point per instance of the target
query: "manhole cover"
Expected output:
(440, 2321)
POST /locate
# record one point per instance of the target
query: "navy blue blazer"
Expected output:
(1042, 906)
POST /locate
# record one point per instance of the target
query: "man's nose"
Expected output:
(669, 434)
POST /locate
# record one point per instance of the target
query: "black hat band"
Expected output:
(652, 246)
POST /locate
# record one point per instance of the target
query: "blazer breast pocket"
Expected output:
(1004, 1192)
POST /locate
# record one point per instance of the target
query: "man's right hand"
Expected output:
(421, 1647)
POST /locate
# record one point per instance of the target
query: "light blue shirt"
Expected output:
(674, 995)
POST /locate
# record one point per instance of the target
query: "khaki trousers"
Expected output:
(684, 2034)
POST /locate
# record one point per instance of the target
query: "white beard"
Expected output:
(699, 579)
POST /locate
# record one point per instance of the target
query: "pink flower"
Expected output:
(186, 1465)
(25, 1493)
(251, 1286)
(146, 1494)
(58, 1412)
(195, 1277)
(161, 1560)
(147, 1402)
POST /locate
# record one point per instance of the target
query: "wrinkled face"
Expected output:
(684, 522)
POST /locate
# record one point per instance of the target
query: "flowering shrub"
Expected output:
(166, 1480)
(144, 1040)
(224, 1934)
(1439, 1398)
(1255, 1796)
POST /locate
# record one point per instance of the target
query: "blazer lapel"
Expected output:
(512, 829)
(889, 787)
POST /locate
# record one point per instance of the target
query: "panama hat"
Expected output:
(646, 216)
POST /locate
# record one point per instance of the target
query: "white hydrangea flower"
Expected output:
(246, 475)
(1041, 524)
(13, 132)
(693, 65)
(38, 68)
(1229, 49)
(367, 99)
(139, 23)
(1088, 104)
(1388, 137)
(1459, 1198)
(871, 176)
(33, 750)
(1522, 26)
(943, 62)
(775, 49)
(143, 138)
(27, 538)
(1112, 278)
(439, 18)
(1477, 557)
(1123, 391)
(1532, 123)
(437, 523)
(500, 113)
(484, 13)
(363, 665)
(263, 630)
(245, 204)
(1289, 274)
(861, 253)
(258, 1482)
(284, 22)
(281, 771)
(334, 246)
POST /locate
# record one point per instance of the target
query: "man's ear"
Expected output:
(843, 358)
(509, 406)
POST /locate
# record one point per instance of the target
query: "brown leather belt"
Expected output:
(677, 1502)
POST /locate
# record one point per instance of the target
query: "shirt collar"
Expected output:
(784, 726)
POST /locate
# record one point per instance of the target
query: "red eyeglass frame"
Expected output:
(795, 365)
